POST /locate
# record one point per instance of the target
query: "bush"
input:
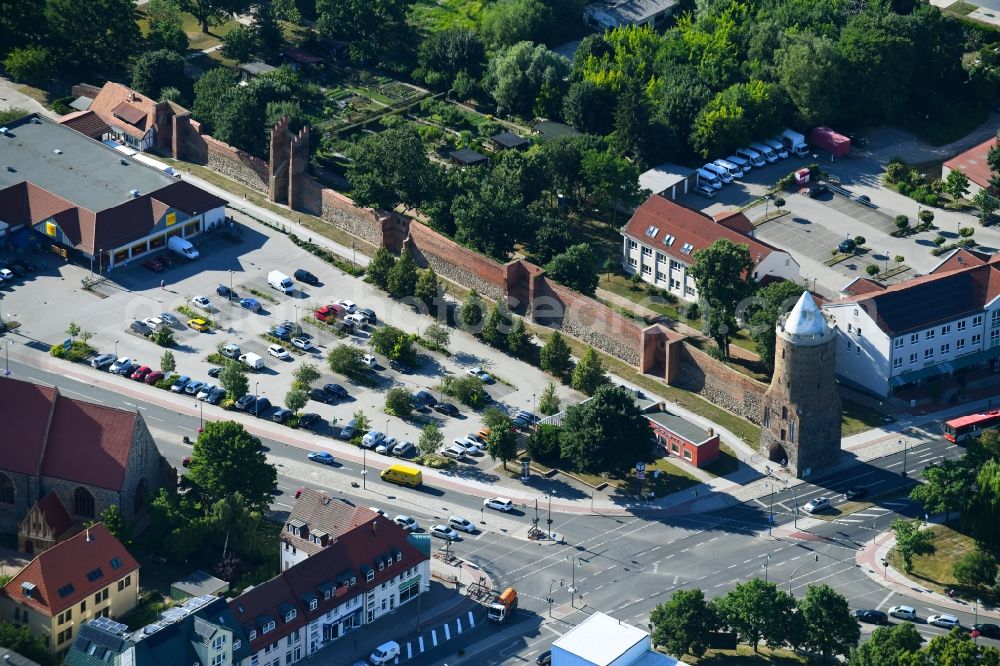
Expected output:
(468, 390)
(902, 222)
(966, 232)
(163, 336)
(399, 402)
(939, 240)
(895, 171)
(859, 240)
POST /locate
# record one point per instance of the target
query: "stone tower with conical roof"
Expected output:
(801, 419)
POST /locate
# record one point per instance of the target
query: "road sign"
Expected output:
(640, 470)
(68, 344)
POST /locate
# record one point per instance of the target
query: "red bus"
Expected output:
(964, 427)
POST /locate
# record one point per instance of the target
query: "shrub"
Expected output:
(966, 232)
(859, 240)
(926, 216)
(902, 222)
(939, 240)
(895, 171)
(468, 390)
(163, 336)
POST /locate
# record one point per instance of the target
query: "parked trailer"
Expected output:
(829, 140)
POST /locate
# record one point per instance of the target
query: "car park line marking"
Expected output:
(732, 566)
(434, 637)
(447, 632)
(472, 621)
(895, 464)
(791, 560)
(598, 588)
(686, 550)
(655, 548)
(420, 641)
(409, 651)
(458, 624)
(885, 599)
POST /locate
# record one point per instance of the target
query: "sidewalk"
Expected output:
(870, 558)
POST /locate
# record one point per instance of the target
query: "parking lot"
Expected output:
(46, 302)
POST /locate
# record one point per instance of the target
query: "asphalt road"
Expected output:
(622, 565)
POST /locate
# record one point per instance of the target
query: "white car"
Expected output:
(119, 364)
(471, 448)
(408, 523)
(153, 322)
(944, 620)
(205, 390)
(357, 319)
(302, 343)
(280, 352)
(816, 505)
(386, 446)
(444, 532)
(372, 438)
(463, 524)
(350, 306)
(904, 612)
(370, 360)
(482, 374)
(453, 452)
(379, 511)
(6, 274)
(202, 302)
(499, 504)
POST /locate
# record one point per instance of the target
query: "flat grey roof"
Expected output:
(635, 11)
(663, 177)
(85, 171)
(257, 67)
(682, 427)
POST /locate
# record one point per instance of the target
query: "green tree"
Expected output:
(402, 279)
(155, 70)
(467, 389)
(548, 402)
(555, 355)
(431, 439)
(723, 272)
(517, 339)
(377, 28)
(388, 168)
(683, 623)
(73, 329)
(589, 374)
(756, 611)
(956, 185)
(911, 540)
(288, 108)
(167, 362)
(577, 268)
(428, 290)
(398, 402)
(18, 638)
(497, 325)
(163, 336)
(471, 312)
(976, 568)
(985, 505)
(210, 92)
(888, 646)
(214, 12)
(496, 419)
(810, 70)
(30, 64)
(304, 375)
(490, 217)
(394, 343)
(543, 444)
(270, 39)
(239, 121)
(91, 37)
(379, 268)
(438, 335)
(553, 236)
(502, 444)
(508, 22)
(233, 378)
(590, 107)
(226, 460)
(518, 73)
(19, 23)
(347, 360)
(296, 399)
(957, 648)
(607, 433)
(361, 422)
(872, 270)
(775, 300)
(830, 627)
(116, 524)
(611, 180)
(945, 488)
(987, 205)
(166, 26)
(444, 54)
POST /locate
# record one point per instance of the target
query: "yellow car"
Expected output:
(198, 324)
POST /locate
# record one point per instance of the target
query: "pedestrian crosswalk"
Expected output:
(431, 638)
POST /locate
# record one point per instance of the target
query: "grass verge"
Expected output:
(744, 655)
(935, 570)
(855, 418)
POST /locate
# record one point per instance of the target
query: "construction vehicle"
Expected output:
(503, 606)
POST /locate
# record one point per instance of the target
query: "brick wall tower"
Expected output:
(801, 418)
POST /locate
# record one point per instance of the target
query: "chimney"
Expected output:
(374, 528)
(90, 537)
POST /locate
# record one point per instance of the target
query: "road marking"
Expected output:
(598, 588)
(155, 418)
(409, 651)
(434, 637)
(732, 566)
(458, 624)
(668, 556)
(472, 621)
(791, 560)
(885, 599)
(676, 578)
(655, 549)
(611, 567)
(746, 560)
(686, 550)
(895, 464)
(848, 520)
(420, 640)
(447, 632)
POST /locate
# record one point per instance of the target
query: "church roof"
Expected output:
(805, 318)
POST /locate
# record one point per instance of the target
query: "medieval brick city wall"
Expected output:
(718, 383)
(341, 212)
(192, 145)
(455, 262)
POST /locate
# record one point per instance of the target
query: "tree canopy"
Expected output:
(723, 273)
(226, 460)
(607, 433)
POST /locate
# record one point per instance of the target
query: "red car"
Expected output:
(298, 493)
(328, 312)
(186, 461)
(153, 264)
(154, 377)
(141, 372)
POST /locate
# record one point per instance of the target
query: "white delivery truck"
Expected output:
(752, 155)
(734, 169)
(720, 172)
(777, 147)
(281, 282)
(253, 361)
(795, 142)
(183, 248)
(765, 151)
(706, 177)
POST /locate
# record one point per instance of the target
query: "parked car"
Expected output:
(400, 366)
(302, 275)
(987, 629)
(368, 314)
(386, 446)
(453, 451)
(408, 523)
(251, 304)
(444, 532)
(499, 504)
(446, 408)
(153, 264)
(319, 395)
(944, 620)
(370, 360)
(6, 274)
(281, 415)
(279, 352)
(180, 383)
(347, 432)
(205, 391)
(139, 374)
(153, 322)
(230, 351)
(261, 407)
(855, 492)
(358, 320)
(127, 369)
(246, 402)
(372, 438)
(225, 292)
(336, 390)
(544, 658)
(154, 377)
(817, 504)
(116, 366)
(323, 457)
(328, 312)
(463, 524)
(903, 612)
(216, 396)
(102, 361)
(486, 377)
(281, 333)
(193, 386)
(309, 419)
(424, 398)
(201, 302)
(302, 343)
(817, 189)
(169, 319)
(214, 372)
(198, 324)
(846, 245)
(404, 449)
(871, 616)
(141, 327)
(349, 306)
(471, 448)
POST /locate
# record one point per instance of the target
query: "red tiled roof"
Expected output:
(735, 220)
(320, 512)
(352, 551)
(130, 114)
(861, 285)
(298, 55)
(959, 259)
(687, 226)
(110, 100)
(68, 564)
(973, 163)
(49, 434)
(55, 514)
(85, 122)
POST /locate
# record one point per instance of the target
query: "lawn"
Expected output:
(744, 655)
(429, 16)
(935, 570)
(197, 40)
(855, 418)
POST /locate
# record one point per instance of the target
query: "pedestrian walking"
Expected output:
(163, 284)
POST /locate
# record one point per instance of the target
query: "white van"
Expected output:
(253, 361)
(281, 282)
(741, 163)
(710, 179)
(732, 168)
(752, 155)
(384, 653)
(181, 247)
(778, 147)
(765, 151)
(720, 172)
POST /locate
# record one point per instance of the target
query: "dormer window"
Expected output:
(370, 577)
(314, 604)
(269, 626)
(399, 557)
(381, 565)
(290, 615)
(652, 231)
(354, 581)
(326, 594)
(252, 635)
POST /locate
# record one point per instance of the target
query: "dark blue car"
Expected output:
(251, 304)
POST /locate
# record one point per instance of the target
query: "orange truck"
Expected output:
(503, 606)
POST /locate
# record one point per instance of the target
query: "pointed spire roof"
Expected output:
(806, 319)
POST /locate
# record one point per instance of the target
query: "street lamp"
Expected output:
(230, 284)
(904, 442)
(790, 578)
(201, 416)
(766, 562)
(482, 515)
(572, 590)
(795, 509)
(116, 350)
(551, 493)
(6, 356)
(885, 569)
(364, 464)
(770, 510)
(549, 598)
(256, 397)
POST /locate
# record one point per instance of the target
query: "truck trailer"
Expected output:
(827, 139)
